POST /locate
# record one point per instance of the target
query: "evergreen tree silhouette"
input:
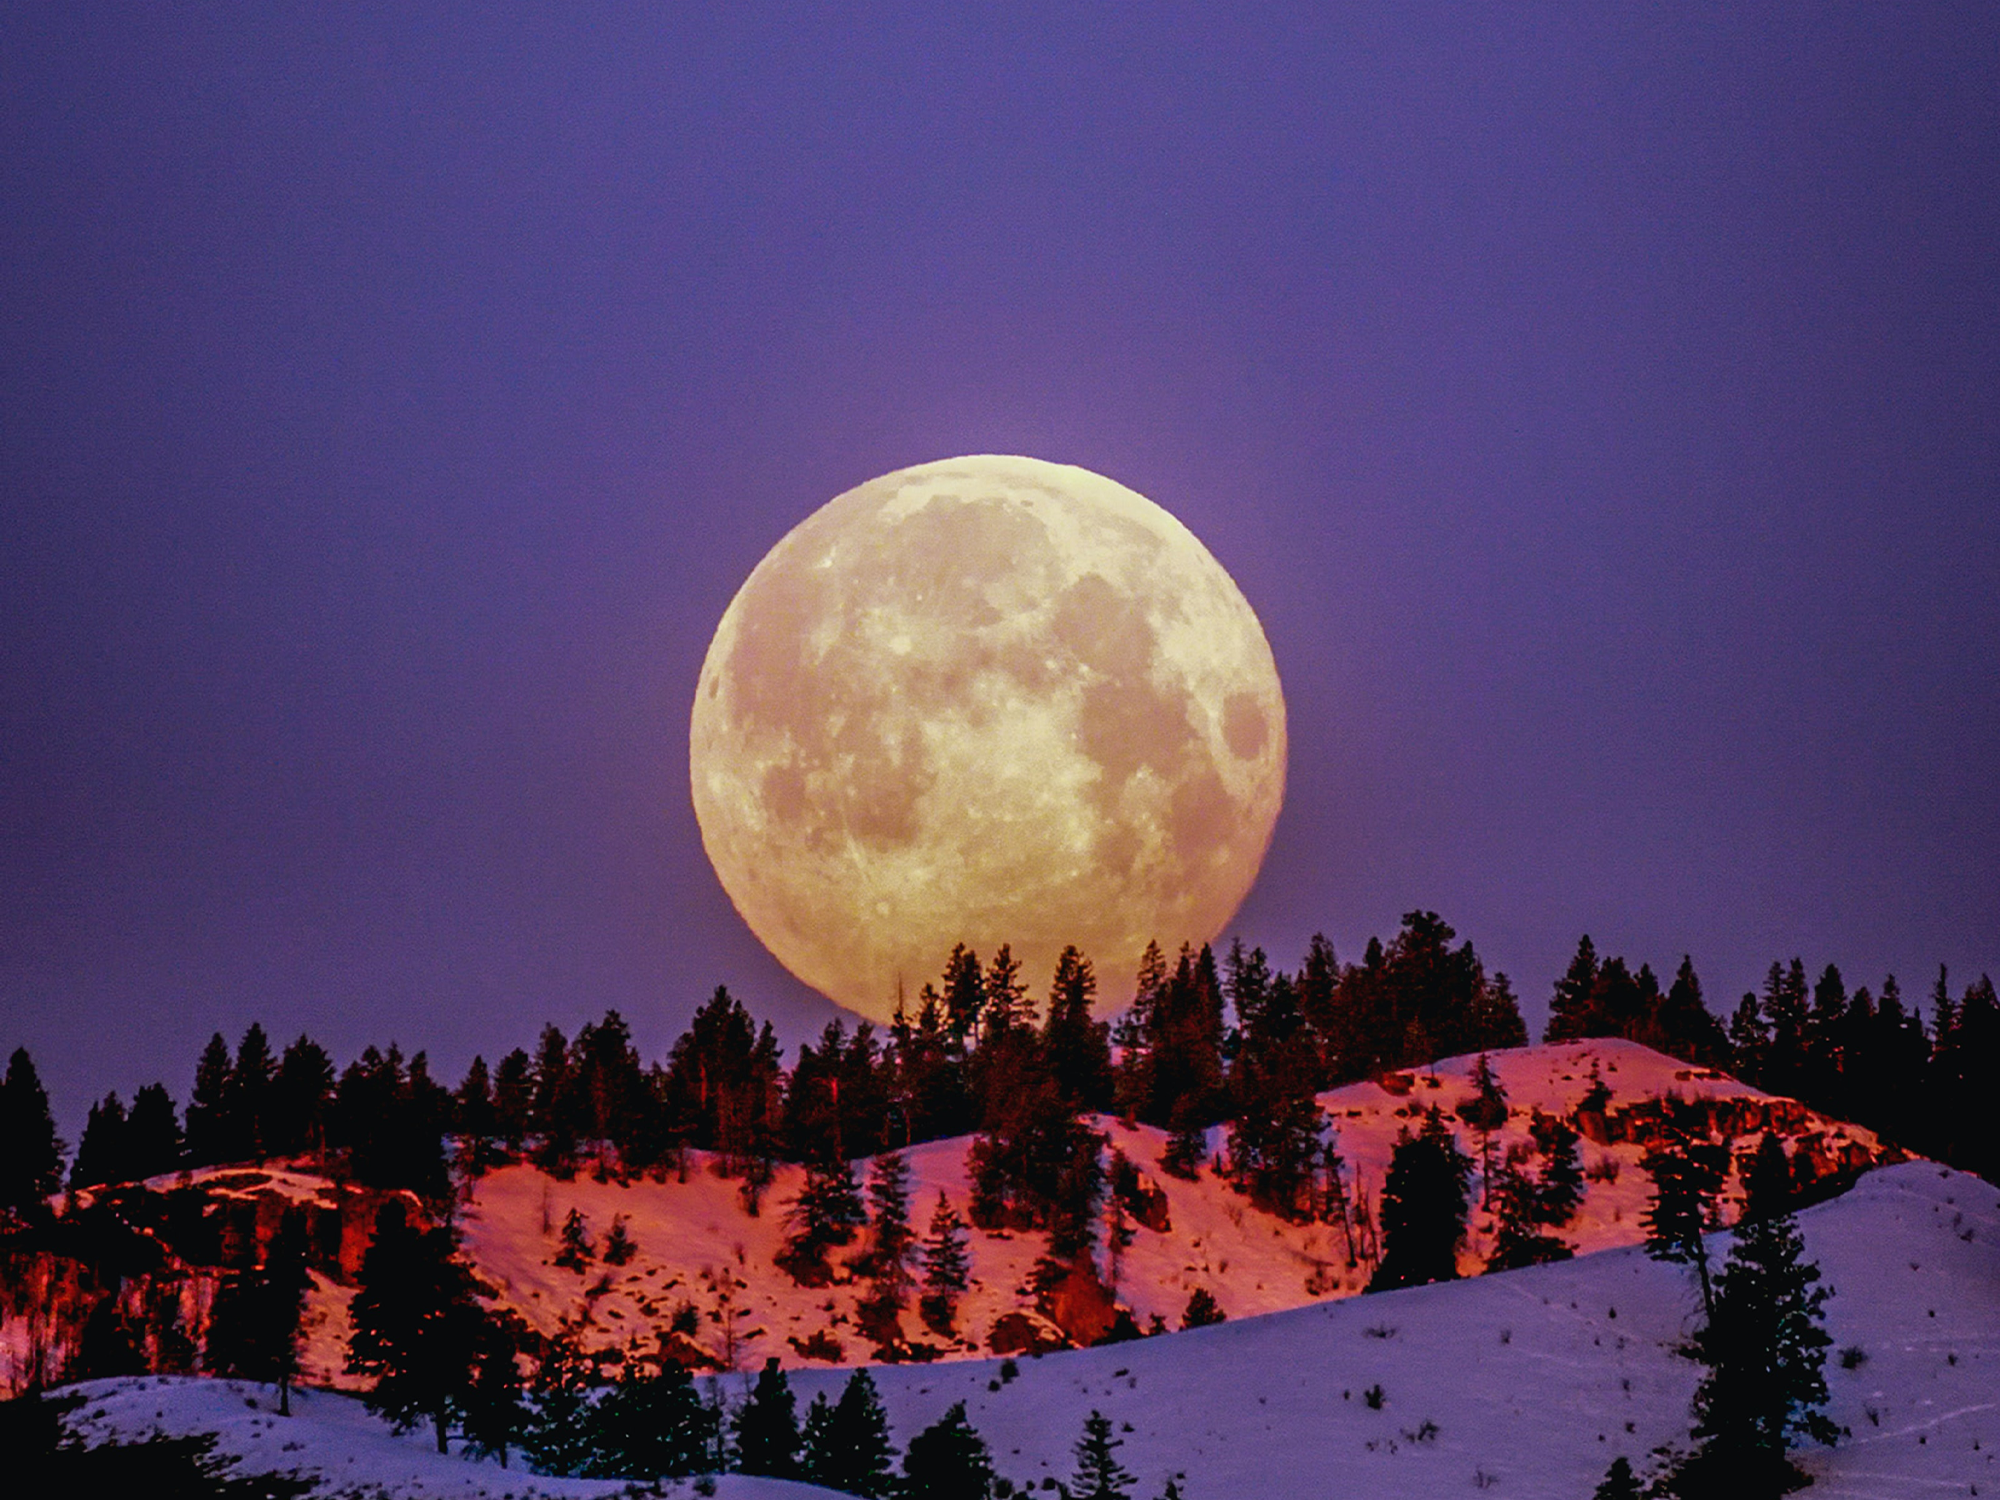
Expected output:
(254, 1326)
(301, 1100)
(1572, 1009)
(513, 1100)
(1202, 1310)
(948, 1460)
(211, 1136)
(247, 1097)
(1749, 1039)
(1619, 1482)
(30, 1151)
(102, 1155)
(826, 1213)
(1078, 1048)
(558, 1433)
(493, 1414)
(889, 1222)
(652, 1427)
(847, 1446)
(1687, 1178)
(1531, 1206)
(1007, 1003)
(478, 1122)
(815, 1439)
(1099, 1475)
(153, 1144)
(1485, 1112)
(573, 1250)
(619, 1246)
(1423, 1209)
(417, 1327)
(964, 994)
(767, 1428)
(1765, 1349)
(947, 1268)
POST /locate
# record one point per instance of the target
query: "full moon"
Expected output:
(986, 700)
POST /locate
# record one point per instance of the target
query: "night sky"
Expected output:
(1598, 407)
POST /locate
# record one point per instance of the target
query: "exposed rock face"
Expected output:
(1081, 1305)
(1025, 1333)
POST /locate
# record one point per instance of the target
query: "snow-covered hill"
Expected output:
(698, 1249)
(1524, 1384)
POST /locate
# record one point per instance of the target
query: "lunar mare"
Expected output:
(985, 700)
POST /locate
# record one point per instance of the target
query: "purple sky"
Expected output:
(1599, 408)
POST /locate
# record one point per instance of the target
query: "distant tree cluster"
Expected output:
(1861, 1057)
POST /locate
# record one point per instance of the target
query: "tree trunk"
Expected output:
(442, 1446)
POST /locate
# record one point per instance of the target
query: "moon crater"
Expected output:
(985, 700)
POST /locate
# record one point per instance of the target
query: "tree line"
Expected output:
(1203, 1044)
(1868, 1058)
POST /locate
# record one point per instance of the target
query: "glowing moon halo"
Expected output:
(985, 700)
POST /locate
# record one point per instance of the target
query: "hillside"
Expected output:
(1530, 1382)
(696, 1247)
(704, 1273)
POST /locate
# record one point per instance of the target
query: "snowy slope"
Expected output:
(1534, 1381)
(1530, 1377)
(697, 1245)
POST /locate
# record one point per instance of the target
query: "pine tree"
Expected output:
(889, 1202)
(619, 1246)
(1202, 1310)
(1687, 1178)
(948, 1460)
(254, 1326)
(1765, 1349)
(1078, 1048)
(1572, 1010)
(1749, 1040)
(416, 1325)
(30, 1151)
(815, 1438)
(478, 1124)
(652, 1427)
(1520, 1238)
(846, 1446)
(1187, 1147)
(1560, 1190)
(826, 1213)
(558, 1433)
(1619, 1482)
(152, 1134)
(1007, 1002)
(574, 1251)
(301, 1100)
(1485, 1112)
(101, 1156)
(947, 1268)
(1099, 1475)
(1767, 1187)
(248, 1097)
(513, 1099)
(493, 1411)
(211, 1137)
(767, 1428)
(1423, 1209)
(1334, 1204)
